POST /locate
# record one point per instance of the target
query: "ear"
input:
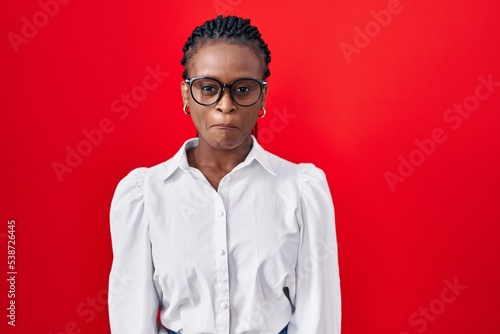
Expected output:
(264, 96)
(185, 93)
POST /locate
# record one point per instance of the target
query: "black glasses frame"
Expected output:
(223, 86)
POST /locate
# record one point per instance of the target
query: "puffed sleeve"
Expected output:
(133, 301)
(317, 296)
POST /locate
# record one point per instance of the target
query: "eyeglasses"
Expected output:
(245, 92)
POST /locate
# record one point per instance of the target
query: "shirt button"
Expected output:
(228, 178)
(221, 252)
(221, 214)
(223, 306)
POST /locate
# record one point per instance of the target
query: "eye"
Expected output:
(242, 90)
(209, 89)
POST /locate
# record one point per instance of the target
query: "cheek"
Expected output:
(200, 117)
(196, 118)
(254, 112)
(250, 118)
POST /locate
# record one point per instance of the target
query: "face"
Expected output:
(224, 125)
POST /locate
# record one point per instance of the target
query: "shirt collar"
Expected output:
(179, 160)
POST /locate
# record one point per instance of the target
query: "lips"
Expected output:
(225, 126)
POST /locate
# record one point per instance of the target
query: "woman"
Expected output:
(224, 237)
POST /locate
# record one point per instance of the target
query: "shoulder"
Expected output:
(139, 178)
(310, 173)
(135, 176)
(131, 200)
(304, 172)
(130, 188)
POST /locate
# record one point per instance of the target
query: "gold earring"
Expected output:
(186, 112)
(263, 114)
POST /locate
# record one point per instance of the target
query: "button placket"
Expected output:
(221, 260)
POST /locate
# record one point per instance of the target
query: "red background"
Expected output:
(353, 119)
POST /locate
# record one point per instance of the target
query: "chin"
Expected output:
(226, 142)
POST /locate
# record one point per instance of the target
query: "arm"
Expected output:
(133, 301)
(317, 298)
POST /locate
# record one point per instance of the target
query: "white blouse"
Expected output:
(219, 261)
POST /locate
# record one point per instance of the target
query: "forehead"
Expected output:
(225, 61)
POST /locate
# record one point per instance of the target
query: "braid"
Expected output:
(232, 28)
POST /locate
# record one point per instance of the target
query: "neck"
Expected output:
(206, 156)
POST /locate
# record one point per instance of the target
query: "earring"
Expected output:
(186, 112)
(263, 114)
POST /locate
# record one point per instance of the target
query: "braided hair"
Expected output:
(227, 28)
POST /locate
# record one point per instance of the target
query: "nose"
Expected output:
(226, 103)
